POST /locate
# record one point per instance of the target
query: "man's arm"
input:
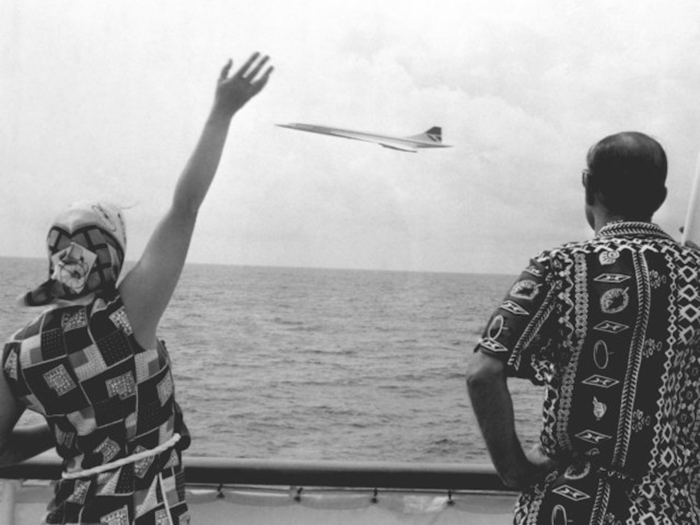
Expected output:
(147, 289)
(19, 444)
(493, 407)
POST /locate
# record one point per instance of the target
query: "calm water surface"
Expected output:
(290, 363)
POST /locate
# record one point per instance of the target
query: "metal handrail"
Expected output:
(234, 471)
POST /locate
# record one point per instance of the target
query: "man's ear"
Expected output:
(661, 197)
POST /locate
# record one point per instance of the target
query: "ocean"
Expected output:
(294, 363)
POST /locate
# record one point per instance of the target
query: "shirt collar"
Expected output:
(632, 228)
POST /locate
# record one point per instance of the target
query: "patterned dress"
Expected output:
(611, 328)
(105, 398)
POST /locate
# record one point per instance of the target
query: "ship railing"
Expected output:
(276, 472)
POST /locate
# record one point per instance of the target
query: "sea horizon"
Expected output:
(292, 267)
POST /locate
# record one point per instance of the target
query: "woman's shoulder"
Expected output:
(102, 315)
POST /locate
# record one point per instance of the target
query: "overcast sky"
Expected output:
(107, 98)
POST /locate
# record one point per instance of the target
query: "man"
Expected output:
(611, 328)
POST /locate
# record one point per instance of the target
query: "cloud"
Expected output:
(112, 99)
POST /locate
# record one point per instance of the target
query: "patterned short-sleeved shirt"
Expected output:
(611, 327)
(105, 398)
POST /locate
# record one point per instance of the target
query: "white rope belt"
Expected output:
(123, 461)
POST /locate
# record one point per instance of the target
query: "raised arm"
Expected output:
(148, 287)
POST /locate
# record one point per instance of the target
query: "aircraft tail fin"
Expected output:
(434, 134)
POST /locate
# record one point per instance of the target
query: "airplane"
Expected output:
(430, 139)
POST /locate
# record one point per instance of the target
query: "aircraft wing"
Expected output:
(387, 142)
(395, 145)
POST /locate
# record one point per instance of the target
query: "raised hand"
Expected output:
(232, 93)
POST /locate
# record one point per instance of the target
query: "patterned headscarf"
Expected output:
(86, 246)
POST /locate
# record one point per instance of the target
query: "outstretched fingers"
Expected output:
(253, 73)
(241, 73)
(250, 70)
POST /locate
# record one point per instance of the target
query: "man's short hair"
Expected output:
(628, 170)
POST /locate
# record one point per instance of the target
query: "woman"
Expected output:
(91, 363)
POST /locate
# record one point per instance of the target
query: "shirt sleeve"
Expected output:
(520, 331)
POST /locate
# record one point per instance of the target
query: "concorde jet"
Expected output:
(430, 139)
